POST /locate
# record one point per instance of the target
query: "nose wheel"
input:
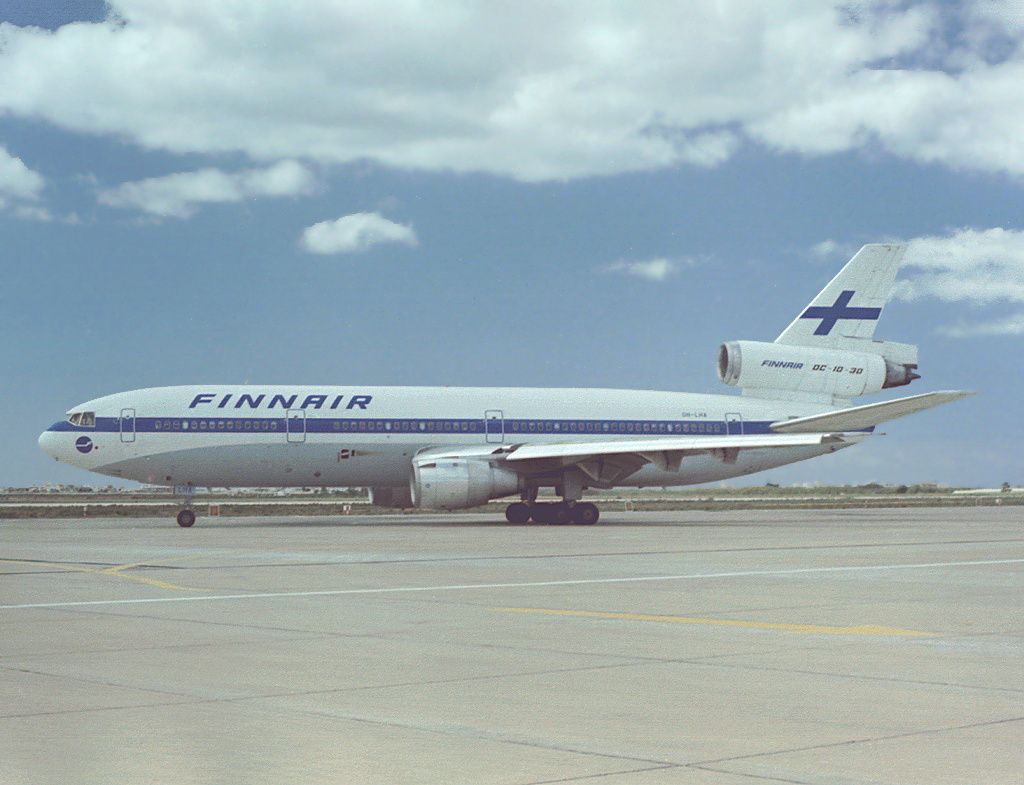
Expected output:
(186, 518)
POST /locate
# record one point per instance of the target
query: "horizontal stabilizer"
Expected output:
(860, 417)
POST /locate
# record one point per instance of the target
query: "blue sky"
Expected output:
(564, 195)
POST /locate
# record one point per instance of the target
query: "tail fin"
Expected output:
(850, 305)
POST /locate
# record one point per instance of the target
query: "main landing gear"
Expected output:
(583, 513)
(186, 518)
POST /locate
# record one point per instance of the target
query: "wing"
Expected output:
(609, 462)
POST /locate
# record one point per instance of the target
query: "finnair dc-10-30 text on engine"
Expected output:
(458, 447)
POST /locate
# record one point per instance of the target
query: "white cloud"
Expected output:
(1010, 325)
(355, 233)
(19, 184)
(32, 212)
(657, 269)
(179, 195)
(979, 267)
(829, 250)
(570, 89)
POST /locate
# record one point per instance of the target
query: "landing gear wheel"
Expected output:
(186, 518)
(541, 513)
(561, 514)
(518, 512)
(585, 513)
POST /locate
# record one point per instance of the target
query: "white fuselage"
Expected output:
(283, 435)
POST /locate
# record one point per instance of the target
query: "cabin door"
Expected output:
(127, 425)
(494, 426)
(734, 424)
(296, 425)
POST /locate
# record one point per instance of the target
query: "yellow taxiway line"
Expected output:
(117, 571)
(811, 629)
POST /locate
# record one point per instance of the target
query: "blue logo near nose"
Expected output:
(83, 444)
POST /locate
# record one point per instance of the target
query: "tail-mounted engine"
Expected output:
(765, 368)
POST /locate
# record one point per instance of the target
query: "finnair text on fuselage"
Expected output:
(278, 401)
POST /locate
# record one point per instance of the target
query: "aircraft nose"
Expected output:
(49, 443)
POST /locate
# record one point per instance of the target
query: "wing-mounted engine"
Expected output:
(456, 483)
(812, 373)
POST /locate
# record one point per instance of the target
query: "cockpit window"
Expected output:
(84, 419)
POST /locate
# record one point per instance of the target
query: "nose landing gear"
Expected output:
(187, 516)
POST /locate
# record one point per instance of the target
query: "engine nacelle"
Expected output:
(387, 496)
(457, 483)
(760, 367)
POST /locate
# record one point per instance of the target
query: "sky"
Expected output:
(558, 194)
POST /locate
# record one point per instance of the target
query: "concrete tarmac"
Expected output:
(845, 646)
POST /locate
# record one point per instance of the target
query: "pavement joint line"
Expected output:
(506, 585)
(851, 742)
(715, 661)
(595, 555)
(810, 629)
(603, 774)
(761, 777)
(468, 731)
(271, 696)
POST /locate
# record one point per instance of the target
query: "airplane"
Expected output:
(452, 448)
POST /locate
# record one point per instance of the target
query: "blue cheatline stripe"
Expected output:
(406, 425)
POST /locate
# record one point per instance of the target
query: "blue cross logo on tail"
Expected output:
(840, 309)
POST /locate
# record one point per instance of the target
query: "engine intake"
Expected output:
(457, 483)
